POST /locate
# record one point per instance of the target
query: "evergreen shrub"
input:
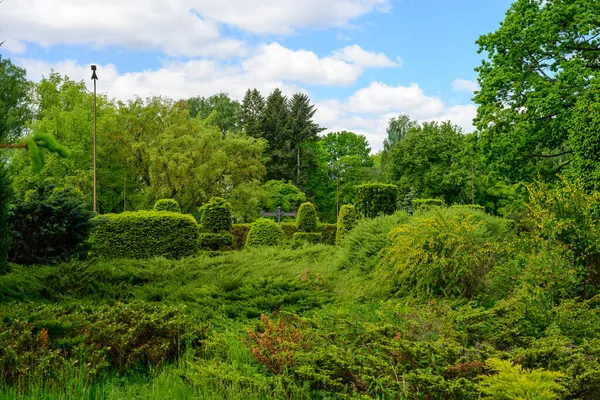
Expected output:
(426, 204)
(215, 241)
(329, 232)
(265, 232)
(375, 199)
(289, 228)
(216, 215)
(300, 238)
(347, 221)
(144, 234)
(475, 207)
(307, 218)
(49, 226)
(167, 205)
(240, 233)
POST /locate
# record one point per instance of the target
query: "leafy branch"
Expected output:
(33, 145)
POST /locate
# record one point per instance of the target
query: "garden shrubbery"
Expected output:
(426, 204)
(375, 199)
(346, 222)
(307, 218)
(215, 224)
(300, 238)
(328, 232)
(49, 226)
(144, 234)
(265, 232)
(167, 205)
(239, 233)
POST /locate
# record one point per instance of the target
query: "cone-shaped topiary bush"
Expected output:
(307, 218)
(265, 232)
(215, 216)
(346, 222)
(167, 205)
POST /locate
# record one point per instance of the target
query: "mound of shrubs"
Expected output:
(346, 222)
(426, 204)
(144, 234)
(375, 199)
(167, 205)
(265, 232)
(307, 222)
(215, 225)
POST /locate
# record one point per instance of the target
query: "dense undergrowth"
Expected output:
(449, 303)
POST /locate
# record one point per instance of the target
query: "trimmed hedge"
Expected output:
(215, 241)
(167, 205)
(289, 228)
(426, 204)
(240, 233)
(215, 215)
(306, 237)
(475, 207)
(265, 232)
(346, 222)
(144, 234)
(375, 199)
(307, 218)
(329, 232)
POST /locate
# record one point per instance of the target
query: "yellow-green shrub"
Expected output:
(328, 232)
(215, 215)
(426, 204)
(167, 205)
(375, 199)
(240, 233)
(215, 241)
(300, 238)
(289, 228)
(346, 222)
(265, 232)
(144, 234)
(307, 218)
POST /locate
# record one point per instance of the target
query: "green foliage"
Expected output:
(328, 232)
(224, 109)
(443, 253)
(167, 205)
(346, 222)
(240, 233)
(307, 218)
(289, 228)
(215, 215)
(5, 194)
(283, 194)
(300, 238)
(49, 226)
(265, 232)
(362, 246)
(426, 204)
(513, 382)
(375, 199)
(144, 234)
(215, 241)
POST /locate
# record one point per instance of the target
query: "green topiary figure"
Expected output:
(215, 216)
(307, 218)
(346, 222)
(167, 205)
(265, 232)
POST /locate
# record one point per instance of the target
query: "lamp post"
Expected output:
(94, 78)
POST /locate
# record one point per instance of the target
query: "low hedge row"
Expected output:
(240, 233)
(426, 204)
(215, 241)
(306, 237)
(144, 234)
(328, 232)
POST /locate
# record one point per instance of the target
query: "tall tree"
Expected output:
(544, 56)
(250, 113)
(227, 110)
(398, 128)
(275, 129)
(14, 111)
(302, 128)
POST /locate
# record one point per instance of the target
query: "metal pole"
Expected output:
(94, 78)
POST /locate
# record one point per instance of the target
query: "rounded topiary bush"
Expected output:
(215, 216)
(375, 199)
(265, 232)
(346, 222)
(307, 218)
(167, 205)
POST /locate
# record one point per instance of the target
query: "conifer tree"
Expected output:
(275, 128)
(251, 112)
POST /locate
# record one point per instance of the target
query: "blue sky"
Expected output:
(361, 61)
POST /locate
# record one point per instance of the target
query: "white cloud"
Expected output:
(285, 16)
(14, 46)
(170, 27)
(464, 85)
(356, 55)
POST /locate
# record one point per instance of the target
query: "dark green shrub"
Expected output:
(346, 222)
(265, 232)
(4, 231)
(240, 233)
(215, 241)
(426, 204)
(300, 238)
(167, 205)
(375, 199)
(215, 215)
(49, 226)
(329, 232)
(144, 234)
(307, 218)
(289, 228)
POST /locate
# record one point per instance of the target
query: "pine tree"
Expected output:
(275, 128)
(251, 112)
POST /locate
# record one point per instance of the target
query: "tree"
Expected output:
(427, 163)
(544, 56)
(226, 111)
(274, 126)
(14, 112)
(398, 128)
(251, 112)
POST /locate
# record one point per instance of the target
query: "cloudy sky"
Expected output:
(361, 61)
